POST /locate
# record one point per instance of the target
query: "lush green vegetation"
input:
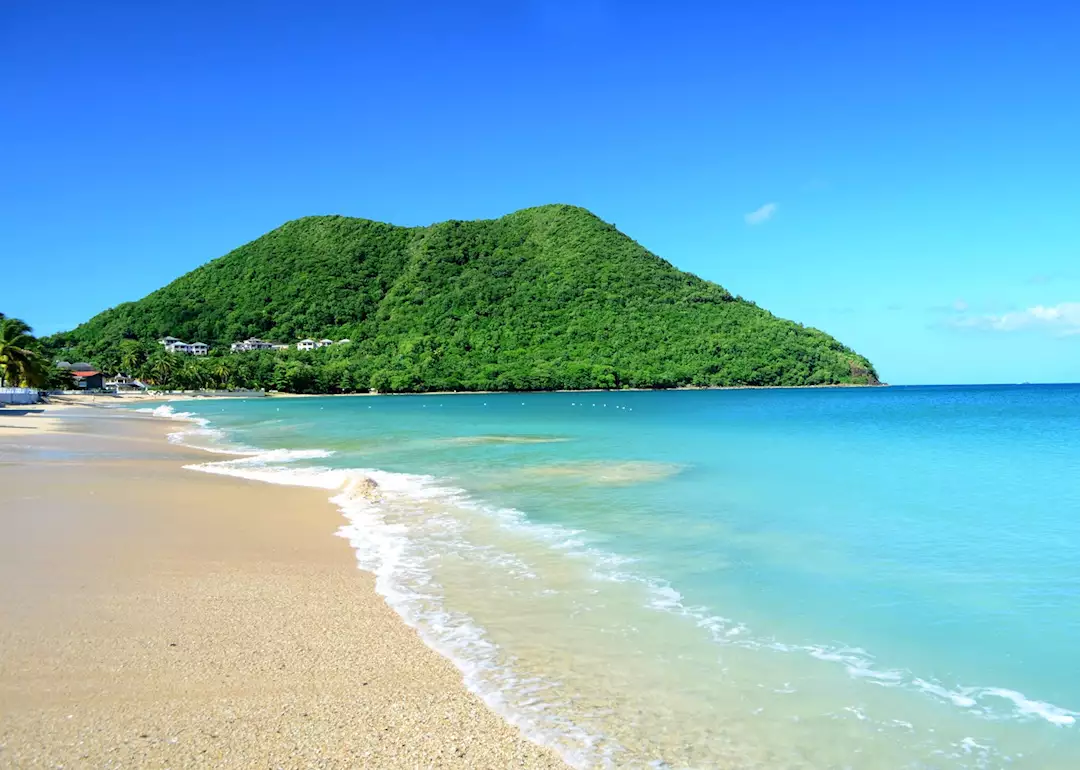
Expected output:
(545, 298)
(23, 361)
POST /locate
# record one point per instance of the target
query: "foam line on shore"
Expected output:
(403, 580)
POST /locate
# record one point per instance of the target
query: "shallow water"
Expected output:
(863, 578)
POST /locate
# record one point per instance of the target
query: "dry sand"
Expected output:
(155, 617)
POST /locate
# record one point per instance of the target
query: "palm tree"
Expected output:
(20, 363)
(223, 373)
(162, 369)
(192, 376)
(130, 358)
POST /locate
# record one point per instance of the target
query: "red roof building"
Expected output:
(88, 379)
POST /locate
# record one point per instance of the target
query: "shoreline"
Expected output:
(230, 626)
(275, 394)
(104, 400)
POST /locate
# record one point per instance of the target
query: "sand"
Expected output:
(19, 420)
(156, 617)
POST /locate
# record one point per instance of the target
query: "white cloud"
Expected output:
(960, 306)
(1062, 319)
(762, 215)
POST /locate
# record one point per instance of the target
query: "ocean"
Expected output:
(825, 578)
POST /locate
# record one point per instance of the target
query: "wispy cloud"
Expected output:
(1062, 320)
(762, 215)
(960, 306)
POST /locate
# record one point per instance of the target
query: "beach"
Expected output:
(643, 579)
(155, 617)
(713, 578)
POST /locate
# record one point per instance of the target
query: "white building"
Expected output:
(173, 345)
(306, 345)
(253, 343)
(324, 343)
(122, 382)
(345, 341)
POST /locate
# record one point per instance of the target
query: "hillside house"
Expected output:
(252, 343)
(306, 345)
(173, 345)
(324, 343)
(345, 341)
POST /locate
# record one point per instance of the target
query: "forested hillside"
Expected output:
(545, 298)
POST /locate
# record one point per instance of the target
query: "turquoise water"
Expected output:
(854, 578)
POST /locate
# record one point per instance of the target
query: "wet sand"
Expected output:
(22, 420)
(156, 617)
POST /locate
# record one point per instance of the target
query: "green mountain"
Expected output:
(544, 298)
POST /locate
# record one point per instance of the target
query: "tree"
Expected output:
(191, 376)
(161, 368)
(60, 379)
(222, 373)
(345, 382)
(21, 363)
(132, 356)
(380, 381)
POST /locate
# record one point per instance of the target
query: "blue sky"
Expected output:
(905, 176)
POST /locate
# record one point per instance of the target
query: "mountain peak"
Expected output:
(546, 297)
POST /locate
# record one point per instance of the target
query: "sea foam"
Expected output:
(398, 560)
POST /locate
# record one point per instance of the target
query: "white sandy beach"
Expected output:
(154, 617)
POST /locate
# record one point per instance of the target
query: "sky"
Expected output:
(904, 176)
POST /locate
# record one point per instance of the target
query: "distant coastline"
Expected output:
(835, 386)
(104, 398)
